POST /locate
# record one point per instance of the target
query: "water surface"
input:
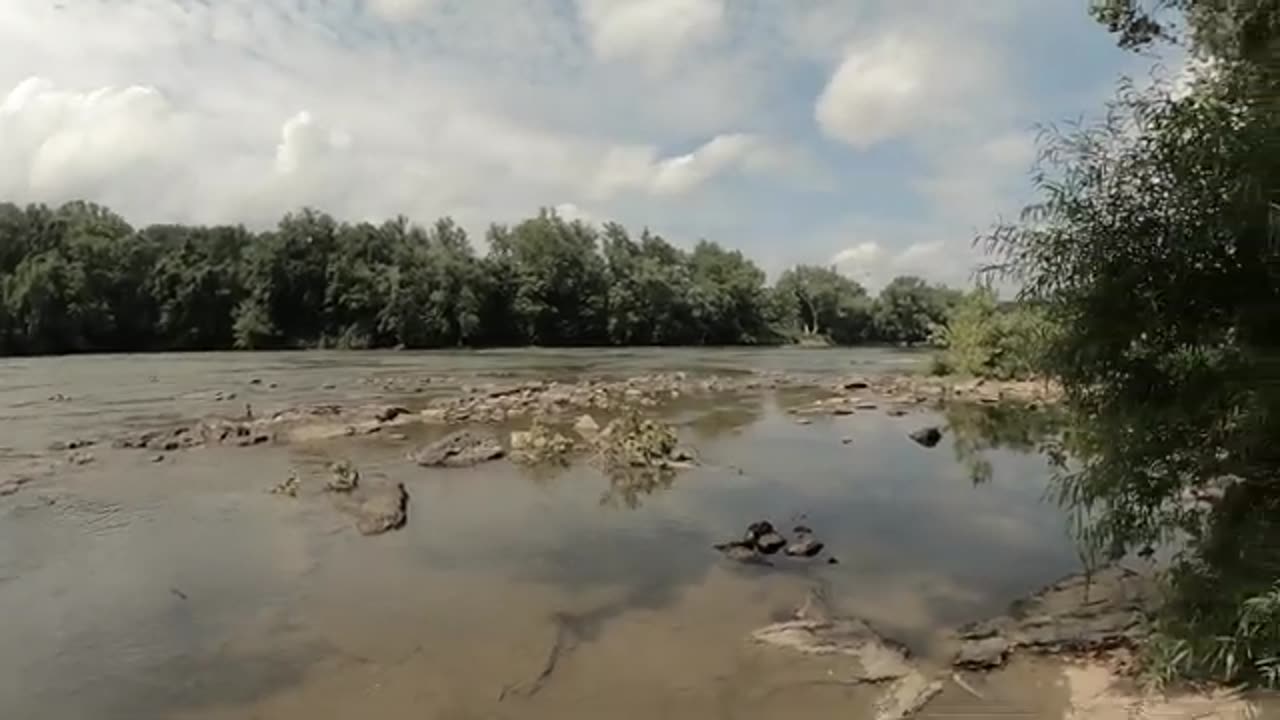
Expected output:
(182, 589)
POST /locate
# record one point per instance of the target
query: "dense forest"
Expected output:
(79, 278)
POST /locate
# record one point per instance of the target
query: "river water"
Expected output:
(182, 589)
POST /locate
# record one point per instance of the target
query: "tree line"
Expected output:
(79, 278)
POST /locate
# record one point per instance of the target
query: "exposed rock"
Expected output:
(896, 412)
(158, 458)
(742, 552)
(982, 653)
(80, 458)
(757, 529)
(770, 543)
(587, 427)
(344, 477)
(927, 437)
(389, 413)
(865, 406)
(459, 449)
(856, 384)
(907, 696)
(804, 421)
(814, 630)
(258, 437)
(289, 486)
(77, 444)
(384, 510)
(9, 487)
(804, 547)
(802, 530)
(1079, 614)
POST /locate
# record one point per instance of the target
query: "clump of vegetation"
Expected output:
(984, 338)
(540, 444)
(633, 441)
(1153, 252)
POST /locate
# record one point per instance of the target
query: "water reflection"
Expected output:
(976, 430)
(628, 487)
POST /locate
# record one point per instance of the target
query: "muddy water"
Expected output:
(182, 589)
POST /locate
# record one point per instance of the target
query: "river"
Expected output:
(132, 588)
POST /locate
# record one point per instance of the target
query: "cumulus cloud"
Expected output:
(56, 142)
(874, 264)
(891, 86)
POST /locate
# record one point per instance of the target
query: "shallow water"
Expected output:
(182, 589)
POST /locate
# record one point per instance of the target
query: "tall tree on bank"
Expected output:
(1154, 251)
(826, 303)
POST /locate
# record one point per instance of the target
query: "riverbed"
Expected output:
(137, 584)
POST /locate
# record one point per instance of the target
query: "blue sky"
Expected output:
(878, 135)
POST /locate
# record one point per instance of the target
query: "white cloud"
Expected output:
(303, 143)
(873, 264)
(654, 31)
(896, 84)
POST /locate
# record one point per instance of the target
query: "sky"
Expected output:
(877, 135)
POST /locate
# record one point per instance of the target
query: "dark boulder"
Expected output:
(757, 529)
(804, 547)
(927, 437)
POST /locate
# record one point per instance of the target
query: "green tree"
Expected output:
(908, 308)
(728, 297)
(560, 290)
(821, 301)
(1153, 250)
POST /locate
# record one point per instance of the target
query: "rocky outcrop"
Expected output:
(10, 487)
(761, 538)
(384, 509)
(815, 630)
(1102, 611)
(804, 546)
(587, 427)
(460, 449)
